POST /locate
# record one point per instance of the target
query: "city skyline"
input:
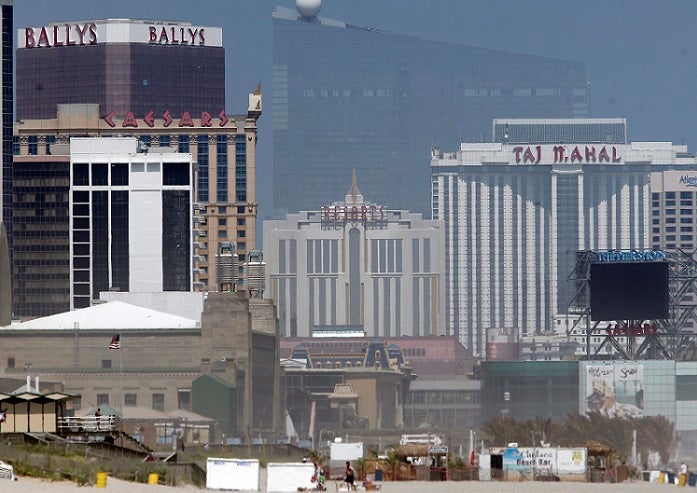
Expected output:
(626, 62)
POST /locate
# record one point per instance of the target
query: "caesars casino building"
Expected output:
(159, 82)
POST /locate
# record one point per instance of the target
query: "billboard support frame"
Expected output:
(670, 341)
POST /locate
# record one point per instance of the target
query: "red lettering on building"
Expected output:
(148, 119)
(528, 155)
(631, 330)
(153, 34)
(167, 118)
(185, 120)
(205, 119)
(223, 118)
(352, 213)
(43, 37)
(29, 40)
(129, 120)
(576, 155)
(582, 154)
(173, 38)
(53, 36)
(81, 33)
(109, 120)
(163, 36)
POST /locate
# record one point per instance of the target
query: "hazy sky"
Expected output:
(641, 56)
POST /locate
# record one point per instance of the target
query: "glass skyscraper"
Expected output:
(348, 97)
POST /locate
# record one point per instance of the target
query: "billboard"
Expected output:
(615, 391)
(629, 290)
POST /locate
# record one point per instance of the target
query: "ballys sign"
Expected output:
(91, 33)
(566, 154)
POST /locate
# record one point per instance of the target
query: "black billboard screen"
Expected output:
(629, 291)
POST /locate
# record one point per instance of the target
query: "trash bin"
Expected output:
(378, 474)
(153, 478)
(661, 477)
(101, 479)
(671, 478)
(682, 479)
(692, 481)
(646, 475)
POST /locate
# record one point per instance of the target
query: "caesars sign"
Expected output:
(91, 33)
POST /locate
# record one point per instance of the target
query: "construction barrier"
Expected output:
(284, 476)
(232, 474)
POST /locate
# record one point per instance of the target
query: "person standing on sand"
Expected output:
(350, 477)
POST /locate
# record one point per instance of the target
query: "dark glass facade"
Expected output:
(41, 265)
(352, 98)
(121, 77)
(7, 120)
(176, 240)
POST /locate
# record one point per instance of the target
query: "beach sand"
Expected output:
(31, 485)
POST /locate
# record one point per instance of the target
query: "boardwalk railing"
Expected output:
(86, 423)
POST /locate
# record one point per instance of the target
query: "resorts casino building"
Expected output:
(177, 108)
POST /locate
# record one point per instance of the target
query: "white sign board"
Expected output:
(281, 477)
(571, 461)
(232, 474)
(346, 451)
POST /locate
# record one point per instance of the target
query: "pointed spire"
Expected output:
(354, 195)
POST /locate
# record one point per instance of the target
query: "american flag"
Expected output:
(115, 342)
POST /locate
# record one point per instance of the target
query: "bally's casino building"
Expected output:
(160, 82)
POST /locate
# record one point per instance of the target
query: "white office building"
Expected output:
(515, 215)
(355, 266)
(130, 219)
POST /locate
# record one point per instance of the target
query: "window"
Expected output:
(50, 140)
(130, 400)
(76, 403)
(33, 145)
(165, 140)
(11, 362)
(184, 399)
(158, 402)
(106, 363)
(222, 221)
(102, 399)
(183, 143)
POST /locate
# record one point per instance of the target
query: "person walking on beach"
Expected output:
(350, 477)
